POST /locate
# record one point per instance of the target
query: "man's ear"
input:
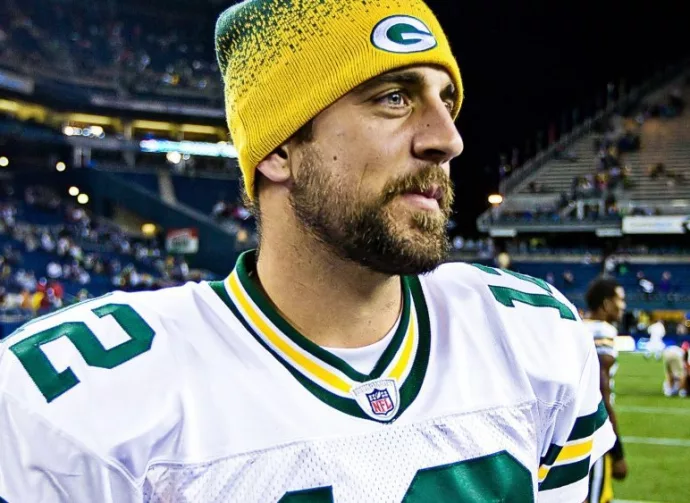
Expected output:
(276, 165)
(607, 305)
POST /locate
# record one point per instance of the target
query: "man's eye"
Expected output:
(395, 99)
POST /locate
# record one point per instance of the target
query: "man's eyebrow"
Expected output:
(409, 78)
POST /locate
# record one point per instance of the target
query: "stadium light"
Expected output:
(148, 229)
(4, 162)
(83, 199)
(68, 131)
(61, 166)
(73, 191)
(495, 199)
(96, 131)
(174, 157)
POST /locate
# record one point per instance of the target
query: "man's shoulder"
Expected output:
(599, 328)
(604, 336)
(532, 319)
(475, 274)
(527, 299)
(99, 367)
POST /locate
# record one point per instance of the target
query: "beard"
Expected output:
(369, 232)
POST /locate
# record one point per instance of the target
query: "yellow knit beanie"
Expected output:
(284, 61)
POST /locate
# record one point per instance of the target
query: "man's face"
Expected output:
(618, 305)
(373, 184)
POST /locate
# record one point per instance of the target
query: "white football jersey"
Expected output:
(488, 391)
(604, 335)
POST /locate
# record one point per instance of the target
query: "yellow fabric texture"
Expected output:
(284, 61)
(607, 490)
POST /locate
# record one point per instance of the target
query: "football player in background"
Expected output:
(656, 343)
(676, 366)
(341, 362)
(606, 303)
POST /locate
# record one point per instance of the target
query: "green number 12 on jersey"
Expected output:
(52, 383)
(509, 296)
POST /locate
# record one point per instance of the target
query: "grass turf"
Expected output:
(656, 473)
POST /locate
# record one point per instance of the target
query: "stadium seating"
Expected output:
(47, 245)
(145, 180)
(675, 296)
(665, 142)
(200, 192)
(121, 47)
(557, 175)
(203, 193)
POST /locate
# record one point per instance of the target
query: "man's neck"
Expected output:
(597, 316)
(333, 302)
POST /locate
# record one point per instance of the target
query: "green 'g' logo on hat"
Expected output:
(402, 34)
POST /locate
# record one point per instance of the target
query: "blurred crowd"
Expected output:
(596, 195)
(234, 217)
(43, 267)
(130, 45)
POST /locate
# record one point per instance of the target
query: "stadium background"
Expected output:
(115, 171)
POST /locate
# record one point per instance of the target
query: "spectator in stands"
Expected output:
(657, 332)
(563, 201)
(665, 285)
(53, 270)
(535, 188)
(503, 260)
(656, 170)
(568, 278)
(82, 295)
(645, 285)
(564, 154)
(629, 142)
(69, 263)
(25, 280)
(167, 56)
(659, 170)
(13, 257)
(220, 210)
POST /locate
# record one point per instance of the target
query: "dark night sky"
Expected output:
(526, 63)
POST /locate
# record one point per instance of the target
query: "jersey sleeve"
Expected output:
(604, 339)
(39, 463)
(62, 415)
(579, 435)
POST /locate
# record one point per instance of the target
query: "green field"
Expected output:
(656, 433)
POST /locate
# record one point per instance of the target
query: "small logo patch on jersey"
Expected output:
(403, 34)
(379, 399)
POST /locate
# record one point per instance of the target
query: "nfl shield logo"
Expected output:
(380, 401)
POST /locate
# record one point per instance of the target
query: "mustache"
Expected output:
(422, 181)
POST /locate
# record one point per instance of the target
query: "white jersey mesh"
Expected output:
(376, 467)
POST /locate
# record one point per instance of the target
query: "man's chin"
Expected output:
(417, 221)
(417, 252)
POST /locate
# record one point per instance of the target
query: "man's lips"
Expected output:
(423, 200)
(434, 191)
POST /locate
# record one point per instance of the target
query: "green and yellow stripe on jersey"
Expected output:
(326, 376)
(567, 464)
